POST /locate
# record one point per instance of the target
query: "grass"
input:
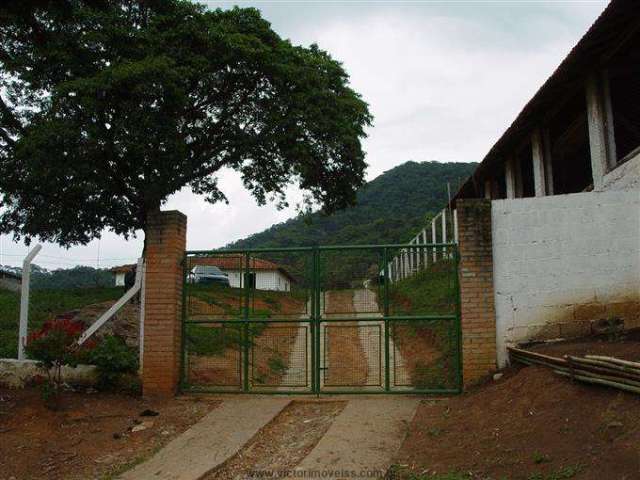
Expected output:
(563, 473)
(231, 300)
(429, 292)
(44, 304)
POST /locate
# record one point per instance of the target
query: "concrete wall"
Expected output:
(625, 176)
(19, 373)
(564, 261)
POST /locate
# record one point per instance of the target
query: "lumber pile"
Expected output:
(595, 369)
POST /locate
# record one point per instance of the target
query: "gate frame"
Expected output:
(316, 319)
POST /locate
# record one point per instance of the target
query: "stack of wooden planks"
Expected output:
(596, 369)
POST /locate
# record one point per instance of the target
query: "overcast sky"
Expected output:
(443, 81)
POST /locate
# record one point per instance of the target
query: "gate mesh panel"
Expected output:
(213, 355)
(423, 281)
(352, 354)
(350, 282)
(215, 286)
(423, 355)
(280, 356)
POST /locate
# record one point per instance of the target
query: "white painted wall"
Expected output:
(562, 261)
(265, 280)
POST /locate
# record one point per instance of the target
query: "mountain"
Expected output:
(391, 208)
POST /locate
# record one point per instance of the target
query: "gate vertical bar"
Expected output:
(245, 364)
(316, 318)
(183, 327)
(385, 301)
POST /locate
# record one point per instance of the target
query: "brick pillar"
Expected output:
(165, 246)
(476, 289)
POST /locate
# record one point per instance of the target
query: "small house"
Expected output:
(262, 275)
(119, 274)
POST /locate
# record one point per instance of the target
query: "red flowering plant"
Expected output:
(55, 345)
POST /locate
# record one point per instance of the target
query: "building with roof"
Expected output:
(263, 274)
(563, 182)
(120, 273)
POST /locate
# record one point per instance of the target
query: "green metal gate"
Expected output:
(339, 319)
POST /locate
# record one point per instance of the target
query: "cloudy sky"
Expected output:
(443, 80)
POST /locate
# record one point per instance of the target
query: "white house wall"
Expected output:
(119, 279)
(265, 280)
(561, 262)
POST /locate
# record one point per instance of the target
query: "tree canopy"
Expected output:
(107, 107)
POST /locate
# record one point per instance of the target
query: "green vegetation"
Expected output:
(539, 458)
(162, 95)
(113, 360)
(429, 292)
(44, 304)
(227, 302)
(391, 208)
(564, 473)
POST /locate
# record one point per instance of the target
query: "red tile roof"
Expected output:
(237, 262)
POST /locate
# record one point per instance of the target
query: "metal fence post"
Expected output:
(24, 301)
(247, 285)
(386, 322)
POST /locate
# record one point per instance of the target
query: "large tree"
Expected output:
(107, 107)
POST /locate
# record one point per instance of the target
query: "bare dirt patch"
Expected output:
(89, 437)
(532, 424)
(284, 442)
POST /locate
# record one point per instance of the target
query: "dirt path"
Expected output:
(283, 443)
(210, 442)
(347, 361)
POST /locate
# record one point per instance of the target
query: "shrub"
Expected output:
(113, 359)
(54, 346)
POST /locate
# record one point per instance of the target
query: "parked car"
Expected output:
(207, 274)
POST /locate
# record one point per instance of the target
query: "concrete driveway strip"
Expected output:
(363, 439)
(211, 441)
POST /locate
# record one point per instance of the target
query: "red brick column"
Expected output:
(476, 289)
(165, 246)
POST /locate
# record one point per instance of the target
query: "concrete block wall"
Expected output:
(165, 247)
(562, 262)
(476, 289)
(625, 176)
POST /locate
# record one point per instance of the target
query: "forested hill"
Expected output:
(391, 209)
